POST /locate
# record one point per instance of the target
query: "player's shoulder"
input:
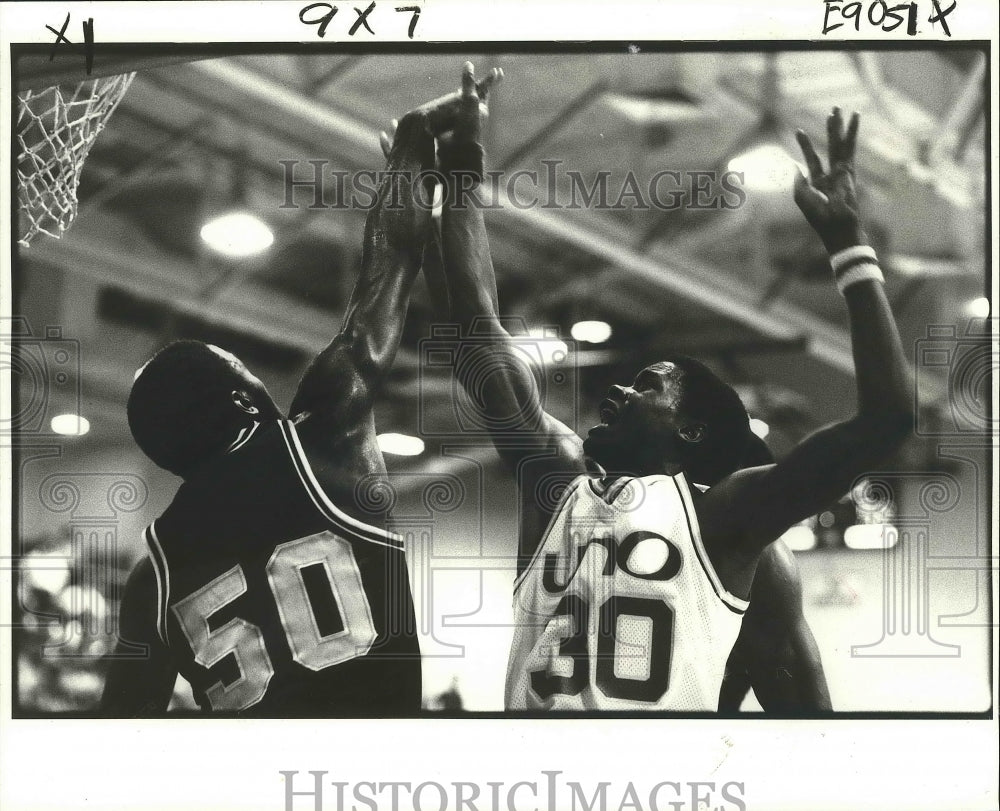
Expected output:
(778, 581)
(722, 507)
(778, 563)
(139, 600)
(143, 576)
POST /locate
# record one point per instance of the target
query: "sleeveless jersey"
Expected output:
(273, 601)
(620, 608)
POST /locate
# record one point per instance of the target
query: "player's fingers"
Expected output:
(468, 81)
(834, 134)
(813, 163)
(486, 84)
(851, 139)
(810, 199)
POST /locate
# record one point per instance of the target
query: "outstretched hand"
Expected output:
(828, 199)
(458, 116)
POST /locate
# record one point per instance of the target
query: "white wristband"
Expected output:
(855, 264)
(850, 255)
(859, 273)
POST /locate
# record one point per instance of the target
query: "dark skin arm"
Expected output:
(776, 654)
(338, 389)
(533, 444)
(750, 508)
(138, 686)
(333, 405)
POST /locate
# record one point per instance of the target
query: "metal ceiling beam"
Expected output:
(328, 78)
(677, 275)
(258, 310)
(686, 277)
(161, 155)
(958, 122)
(555, 124)
(252, 308)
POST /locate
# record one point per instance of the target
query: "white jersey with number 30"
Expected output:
(620, 608)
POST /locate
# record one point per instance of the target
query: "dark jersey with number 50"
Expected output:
(272, 600)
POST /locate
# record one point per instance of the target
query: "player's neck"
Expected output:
(661, 468)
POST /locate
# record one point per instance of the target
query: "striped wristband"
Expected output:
(856, 264)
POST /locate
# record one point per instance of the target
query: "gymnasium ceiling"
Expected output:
(744, 289)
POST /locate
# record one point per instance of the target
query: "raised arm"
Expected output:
(776, 653)
(757, 505)
(340, 384)
(495, 374)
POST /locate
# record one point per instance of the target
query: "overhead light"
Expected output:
(547, 346)
(70, 424)
(646, 110)
(759, 427)
(766, 168)
(870, 536)
(593, 332)
(400, 444)
(237, 234)
(49, 573)
(978, 308)
(800, 538)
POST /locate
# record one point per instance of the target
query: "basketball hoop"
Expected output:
(55, 129)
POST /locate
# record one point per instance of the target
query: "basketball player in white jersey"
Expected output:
(631, 589)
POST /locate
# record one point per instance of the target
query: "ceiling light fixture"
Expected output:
(547, 346)
(592, 332)
(70, 424)
(766, 168)
(978, 308)
(237, 234)
(870, 536)
(400, 444)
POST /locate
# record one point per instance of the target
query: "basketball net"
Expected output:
(55, 129)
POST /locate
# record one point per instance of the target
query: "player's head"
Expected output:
(189, 403)
(676, 412)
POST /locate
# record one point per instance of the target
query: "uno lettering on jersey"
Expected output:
(620, 609)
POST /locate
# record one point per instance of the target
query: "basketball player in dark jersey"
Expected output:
(678, 420)
(267, 586)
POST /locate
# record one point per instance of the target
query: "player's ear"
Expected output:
(243, 402)
(692, 432)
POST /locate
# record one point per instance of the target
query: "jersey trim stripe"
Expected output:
(243, 437)
(159, 585)
(570, 489)
(731, 601)
(610, 492)
(159, 560)
(340, 520)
